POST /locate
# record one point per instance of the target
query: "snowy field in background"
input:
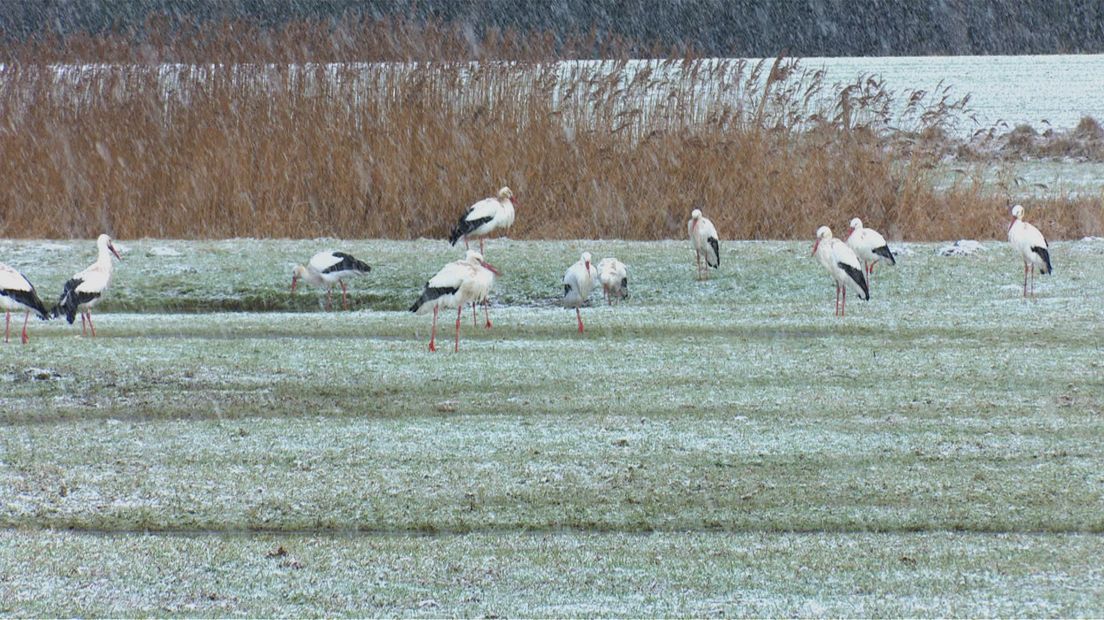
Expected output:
(1043, 91)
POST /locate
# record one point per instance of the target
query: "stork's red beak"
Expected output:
(294, 280)
(850, 231)
(493, 269)
(588, 266)
(111, 247)
(815, 245)
(515, 201)
(1012, 223)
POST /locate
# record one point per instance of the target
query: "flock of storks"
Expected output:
(470, 279)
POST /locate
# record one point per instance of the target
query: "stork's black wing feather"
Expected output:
(347, 263)
(1045, 255)
(465, 226)
(716, 253)
(856, 275)
(29, 299)
(432, 292)
(71, 299)
(885, 252)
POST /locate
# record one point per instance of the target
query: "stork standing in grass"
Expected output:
(485, 282)
(455, 285)
(1032, 247)
(328, 268)
(485, 217)
(614, 277)
(17, 293)
(840, 261)
(85, 289)
(703, 236)
(869, 246)
(578, 282)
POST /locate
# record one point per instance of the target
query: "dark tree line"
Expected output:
(704, 27)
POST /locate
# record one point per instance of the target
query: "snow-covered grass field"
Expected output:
(726, 447)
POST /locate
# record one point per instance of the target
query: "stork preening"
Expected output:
(614, 277)
(456, 284)
(17, 293)
(485, 217)
(870, 246)
(1032, 247)
(85, 289)
(577, 282)
(329, 268)
(840, 261)
(703, 235)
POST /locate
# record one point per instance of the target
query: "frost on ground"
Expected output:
(947, 436)
(962, 247)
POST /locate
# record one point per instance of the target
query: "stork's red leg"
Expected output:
(697, 263)
(466, 243)
(7, 325)
(843, 306)
(25, 318)
(481, 251)
(837, 298)
(344, 301)
(433, 332)
(487, 312)
(459, 311)
(1025, 280)
(329, 298)
(475, 315)
(91, 326)
(579, 316)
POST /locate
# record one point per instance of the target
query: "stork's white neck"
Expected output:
(103, 258)
(311, 276)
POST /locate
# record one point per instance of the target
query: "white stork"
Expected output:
(703, 236)
(869, 246)
(456, 284)
(485, 282)
(578, 281)
(85, 289)
(1031, 245)
(485, 217)
(843, 265)
(328, 268)
(17, 293)
(614, 277)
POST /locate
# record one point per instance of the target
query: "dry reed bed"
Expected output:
(398, 150)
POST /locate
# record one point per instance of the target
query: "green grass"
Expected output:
(705, 448)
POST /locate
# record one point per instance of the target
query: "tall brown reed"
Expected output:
(593, 149)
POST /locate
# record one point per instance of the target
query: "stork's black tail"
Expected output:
(716, 253)
(886, 254)
(1045, 254)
